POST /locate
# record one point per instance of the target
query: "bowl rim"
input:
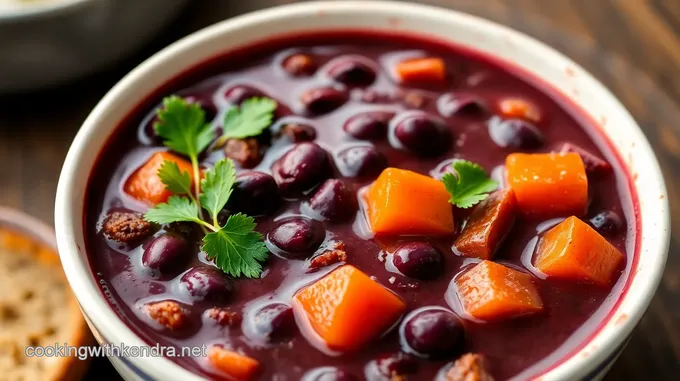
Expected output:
(43, 8)
(567, 367)
(29, 225)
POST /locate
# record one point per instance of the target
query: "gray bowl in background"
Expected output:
(50, 42)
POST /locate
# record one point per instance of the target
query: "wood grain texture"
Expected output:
(633, 46)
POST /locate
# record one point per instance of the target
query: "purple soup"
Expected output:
(347, 108)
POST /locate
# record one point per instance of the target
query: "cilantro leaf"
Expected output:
(470, 186)
(254, 115)
(182, 126)
(237, 248)
(176, 209)
(174, 180)
(216, 186)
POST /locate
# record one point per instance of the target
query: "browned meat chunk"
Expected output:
(488, 225)
(299, 132)
(126, 227)
(246, 152)
(329, 257)
(469, 367)
(167, 313)
(413, 99)
(224, 317)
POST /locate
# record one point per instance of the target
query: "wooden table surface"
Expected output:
(633, 46)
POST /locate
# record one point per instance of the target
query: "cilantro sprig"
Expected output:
(469, 186)
(235, 246)
(183, 128)
(217, 186)
(250, 119)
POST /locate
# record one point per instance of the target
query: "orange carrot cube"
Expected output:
(575, 251)
(489, 223)
(348, 309)
(490, 291)
(430, 70)
(548, 184)
(519, 108)
(235, 365)
(405, 202)
(145, 185)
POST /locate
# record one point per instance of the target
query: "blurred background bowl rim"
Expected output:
(43, 8)
(23, 222)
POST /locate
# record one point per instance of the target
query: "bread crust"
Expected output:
(23, 235)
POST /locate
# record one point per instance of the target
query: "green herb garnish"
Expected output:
(183, 129)
(250, 119)
(236, 247)
(174, 180)
(216, 186)
(176, 209)
(469, 186)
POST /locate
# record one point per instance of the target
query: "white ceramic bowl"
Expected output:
(47, 42)
(589, 362)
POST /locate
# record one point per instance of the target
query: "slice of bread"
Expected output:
(37, 309)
